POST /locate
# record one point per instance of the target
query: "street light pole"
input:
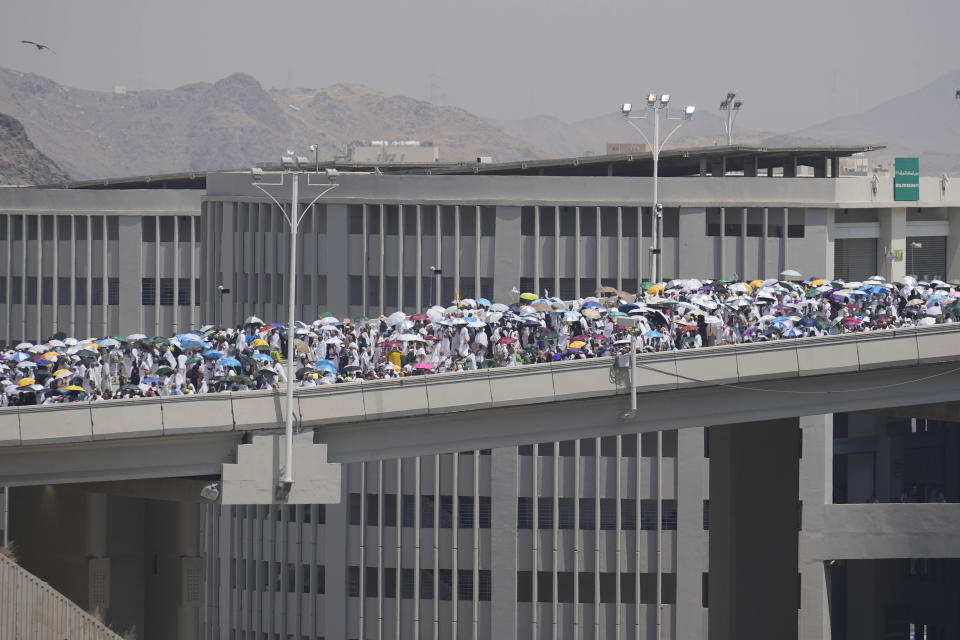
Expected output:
(292, 166)
(732, 106)
(655, 104)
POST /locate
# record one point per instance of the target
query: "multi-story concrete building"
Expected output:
(557, 540)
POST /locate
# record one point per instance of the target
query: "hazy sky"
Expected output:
(794, 64)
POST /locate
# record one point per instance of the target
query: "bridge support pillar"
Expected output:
(255, 476)
(754, 491)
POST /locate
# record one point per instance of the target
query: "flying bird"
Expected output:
(40, 47)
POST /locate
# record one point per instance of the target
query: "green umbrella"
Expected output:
(327, 314)
(159, 340)
(59, 335)
(119, 338)
(811, 293)
(725, 281)
(87, 353)
(163, 371)
(194, 359)
(130, 387)
(646, 284)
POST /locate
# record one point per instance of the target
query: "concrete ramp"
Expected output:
(30, 609)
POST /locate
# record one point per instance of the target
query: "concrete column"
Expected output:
(953, 244)
(817, 256)
(188, 547)
(718, 167)
(129, 246)
(694, 261)
(820, 167)
(750, 166)
(754, 487)
(96, 525)
(335, 256)
(508, 248)
(503, 543)
(790, 168)
(704, 168)
(692, 540)
(816, 491)
(893, 237)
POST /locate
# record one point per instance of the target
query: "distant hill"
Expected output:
(924, 123)
(21, 162)
(562, 139)
(231, 123)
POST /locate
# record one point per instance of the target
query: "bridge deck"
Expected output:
(500, 407)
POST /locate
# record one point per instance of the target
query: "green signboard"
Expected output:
(906, 179)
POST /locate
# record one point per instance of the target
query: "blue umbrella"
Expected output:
(807, 321)
(153, 379)
(191, 342)
(326, 365)
(793, 333)
(212, 354)
(483, 301)
(228, 362)
(262, 356)
(653, 334)
(627, 308)
(591, 303)
(780, 320)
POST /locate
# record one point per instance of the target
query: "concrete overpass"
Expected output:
(750, 395)
(197, 435)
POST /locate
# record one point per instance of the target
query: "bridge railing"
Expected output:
(500, 387)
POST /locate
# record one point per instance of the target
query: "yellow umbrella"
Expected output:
(655, 289)
(528, 296)
(74, 387)
(260, 342)
(59, 371)
(25, 381)
(577, 344)
(50, 355)
(819, 282)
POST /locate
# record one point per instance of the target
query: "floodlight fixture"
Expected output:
(256, 174)
(651, 99)
(916, 245)
(302, 161)
(626, 108)
(665, 98)
(332, 175)
(731, 95)
(287, 162)
(688, 112)
(737, 105)
(957, 95)
(313, 147)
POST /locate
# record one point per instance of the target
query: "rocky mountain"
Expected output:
(562, 139)
(231, 123)
(21, 162)
(347, 112)
(924, 123)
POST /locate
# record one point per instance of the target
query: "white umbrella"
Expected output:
(713, 320)
(24, 345)
(57, 343)
(253, 320)
(498, 307)
(468, 302)
(790, 273)
(136, 336)
(409, 337)
(329, 320)
(70, 341)
(396, 318)
(434, 314)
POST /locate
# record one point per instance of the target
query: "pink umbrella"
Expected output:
(423, 365)
(507, 340)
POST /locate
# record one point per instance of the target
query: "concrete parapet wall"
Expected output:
(483, 389)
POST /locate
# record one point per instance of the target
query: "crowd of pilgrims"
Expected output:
(469, 334)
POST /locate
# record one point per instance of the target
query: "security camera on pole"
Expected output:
(292, 165)
(656, 104)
